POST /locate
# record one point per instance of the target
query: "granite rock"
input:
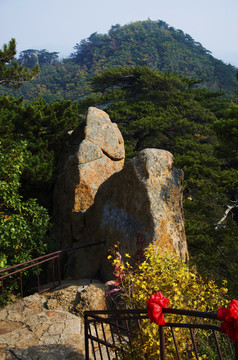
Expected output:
(140, 204)
(90, 162)
(49, 333)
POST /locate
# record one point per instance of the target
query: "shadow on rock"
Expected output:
(45, 352)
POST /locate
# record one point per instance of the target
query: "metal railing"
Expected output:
(35, 263)
(116, 334)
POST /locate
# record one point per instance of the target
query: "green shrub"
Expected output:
(166, 273)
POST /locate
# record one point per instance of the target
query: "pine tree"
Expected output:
(12, 74)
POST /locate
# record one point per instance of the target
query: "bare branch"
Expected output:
(226, 213)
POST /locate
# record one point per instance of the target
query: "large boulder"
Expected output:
(141, 202)
(90, 161)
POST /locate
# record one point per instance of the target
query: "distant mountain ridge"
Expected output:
(151, 43)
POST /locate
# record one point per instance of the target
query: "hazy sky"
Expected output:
(57, 25)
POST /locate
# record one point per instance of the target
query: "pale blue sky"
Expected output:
(57, 25)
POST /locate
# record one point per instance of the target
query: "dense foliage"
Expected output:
(23, 223)
(11, 73)
(32, 135)
(165, 111)
(150, 43)
(45, 128)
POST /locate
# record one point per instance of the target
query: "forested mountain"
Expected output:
(151, 43)
(162, 105)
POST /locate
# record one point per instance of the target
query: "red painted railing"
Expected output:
(34, 263)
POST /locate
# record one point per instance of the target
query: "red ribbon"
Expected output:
(155, 304)
(230, 320)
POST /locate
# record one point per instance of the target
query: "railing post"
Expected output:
(21, 284)
(162, 342)
(53, 272)
(59, 272)
(38, 279)
(86, 337)
(217, 345)
(236, 355)
(2, 293)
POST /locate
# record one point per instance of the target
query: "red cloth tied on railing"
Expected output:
(230, 320)
(154, 308)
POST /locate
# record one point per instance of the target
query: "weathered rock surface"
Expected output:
(45, 327)
(142, 200)
(87, 296)
(100, 131)
(89, 164)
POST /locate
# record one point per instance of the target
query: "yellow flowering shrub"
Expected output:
(166, 273)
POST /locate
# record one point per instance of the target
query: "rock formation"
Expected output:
(90, 162)
(96, 199)
(141, 202)
(45, 327)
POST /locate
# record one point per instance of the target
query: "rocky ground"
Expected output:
(49, 326)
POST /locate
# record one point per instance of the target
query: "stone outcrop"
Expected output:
(98, 200)
(90, 161)
(144, 200)
(45, 327)
(77, 299)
